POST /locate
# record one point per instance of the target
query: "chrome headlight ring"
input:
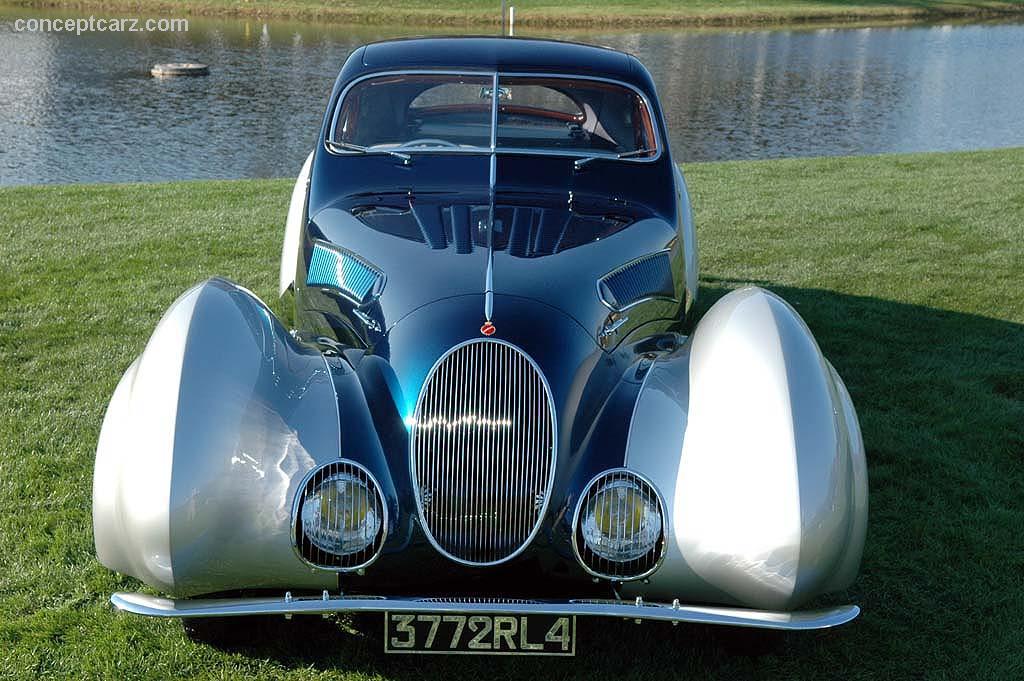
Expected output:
(339, 517)
(619, 526)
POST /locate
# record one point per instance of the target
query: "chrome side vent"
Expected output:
(483, 452)
(620, 527)
(337, 268)
(340, 519)
(649, 276)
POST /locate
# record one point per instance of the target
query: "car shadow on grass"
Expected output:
(940, 397)
(606, 648)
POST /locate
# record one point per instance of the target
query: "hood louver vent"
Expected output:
(647, 277)
(337, 268)
(523, 231)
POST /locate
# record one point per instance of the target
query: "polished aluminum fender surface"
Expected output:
(293, 228)
(204, 443)
(753, 441)
(688, 232)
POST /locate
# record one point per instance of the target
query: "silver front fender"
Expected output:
(688, 233)
(293, 228)
(204, 444)
(753, 441)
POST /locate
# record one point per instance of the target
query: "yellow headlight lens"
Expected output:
(341, 515)
(621, 521)
(344, 505)
(618, 512)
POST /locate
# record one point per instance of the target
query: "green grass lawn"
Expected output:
(536, 13)
(907, 268)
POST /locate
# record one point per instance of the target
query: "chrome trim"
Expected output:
(489, 283)
(612, 325)
(660, 137)
(494, 114)
(154, 606)
(553, 415)
(297, 501)
(491, 188)
(600, 294)
(576, 526)
(370, 323)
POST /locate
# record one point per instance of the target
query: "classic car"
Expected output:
(487, 411)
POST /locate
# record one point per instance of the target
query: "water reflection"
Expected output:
(829, 91)
(82, 108)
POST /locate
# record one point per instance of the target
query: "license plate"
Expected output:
(479, 634)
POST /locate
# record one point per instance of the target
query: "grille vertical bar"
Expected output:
(483, 452)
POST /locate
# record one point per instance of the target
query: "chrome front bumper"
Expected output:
(154, 606)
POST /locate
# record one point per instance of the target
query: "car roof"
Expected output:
(525, 55)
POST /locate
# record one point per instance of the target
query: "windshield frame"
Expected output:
(493, 148)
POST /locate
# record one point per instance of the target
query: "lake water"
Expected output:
(84, 109)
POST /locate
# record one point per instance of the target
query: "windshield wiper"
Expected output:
(580, 162)
(349, 146)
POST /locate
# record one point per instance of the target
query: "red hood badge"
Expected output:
(488, 328)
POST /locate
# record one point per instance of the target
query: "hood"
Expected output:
(547, 247)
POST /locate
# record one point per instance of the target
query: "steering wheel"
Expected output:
(428, 142)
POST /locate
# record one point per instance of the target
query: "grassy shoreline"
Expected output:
(905, 267)
(566, 14)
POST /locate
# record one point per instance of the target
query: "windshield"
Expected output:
(578, 117)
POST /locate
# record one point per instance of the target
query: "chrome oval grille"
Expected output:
(483, 452)
(620, 570)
